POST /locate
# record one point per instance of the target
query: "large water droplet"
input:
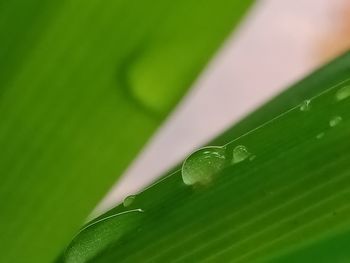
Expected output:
(240, 153)
(129, 200)
(94, 238)
(201, 166)
(343, 93)
(305, 106)
(334, 121)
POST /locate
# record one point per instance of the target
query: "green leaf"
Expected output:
(84, 83)
(286, 200)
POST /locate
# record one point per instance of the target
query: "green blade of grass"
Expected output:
(289, 202)
(84, 84)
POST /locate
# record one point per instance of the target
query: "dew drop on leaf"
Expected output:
(343, 93)
(240, 153)
(305, 106)
(129, 200)
(201, 166)
(97, 236)
(334, 121)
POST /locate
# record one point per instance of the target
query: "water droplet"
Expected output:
(251, 158)
(335, 121)
(320, 135)
(201, 166)
(343, 93)
(240, 153)
(305, 106)
(129, 200)
(95, 237)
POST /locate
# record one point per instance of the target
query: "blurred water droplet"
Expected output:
(334, 121)
(240, 153)
(320, 135)
(129, 200)
(251, 158)
(343, 93)
(305, 106)
(201, 166)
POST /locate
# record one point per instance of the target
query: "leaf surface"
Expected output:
(288, 201)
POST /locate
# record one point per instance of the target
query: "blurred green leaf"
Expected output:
(83, 86)
(287, 202)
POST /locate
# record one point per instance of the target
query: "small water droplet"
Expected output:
(343, 93)
(201, 166)
(320, 135)
(251, 158)
(334, 121)
(129, 200)
(240, 153)
(305, 106)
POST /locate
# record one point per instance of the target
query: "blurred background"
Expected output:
(278, 43)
